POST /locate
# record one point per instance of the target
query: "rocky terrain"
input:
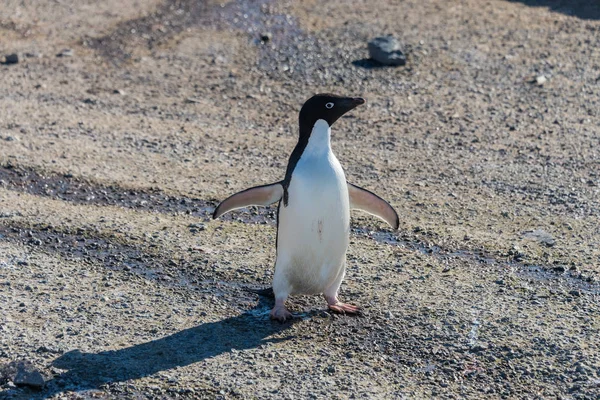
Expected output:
(122, 124)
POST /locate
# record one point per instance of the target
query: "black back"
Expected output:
(325, 106)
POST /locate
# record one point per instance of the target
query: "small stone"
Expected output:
(541, 236)
(119, 91)
(44, 349)
(66, 53)
(559, 269)
(197, 227)
(583, 369)
(33, 54)
(479, 347)
(265, 37)
(11, 59)
(540, 80)
(386, 50)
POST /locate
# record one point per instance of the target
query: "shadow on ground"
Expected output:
(584, 9)
(368, 63)
(87, 371)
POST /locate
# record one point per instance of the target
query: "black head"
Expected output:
(328, 107)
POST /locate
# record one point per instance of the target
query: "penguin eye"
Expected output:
(329, 105)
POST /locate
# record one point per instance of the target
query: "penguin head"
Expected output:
(328, 107)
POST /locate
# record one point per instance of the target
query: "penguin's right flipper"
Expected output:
(256, 196)
(362, 199)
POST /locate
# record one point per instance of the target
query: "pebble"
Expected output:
(196, 227)
(265, 37)
(11, 58)
(66, 53)
(386, 50)
(541, 236)
(540, 80)
(33, 54)
(479, 347)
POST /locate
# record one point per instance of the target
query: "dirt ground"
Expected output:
(124, 123)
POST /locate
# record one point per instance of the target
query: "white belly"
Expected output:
(314, 228)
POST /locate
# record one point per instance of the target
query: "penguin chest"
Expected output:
(314, 227)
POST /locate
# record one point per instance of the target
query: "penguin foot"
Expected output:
(280, 313)
(343, 308)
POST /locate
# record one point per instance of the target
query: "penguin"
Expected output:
(313, 218)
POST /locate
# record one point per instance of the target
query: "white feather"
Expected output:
(314, 228)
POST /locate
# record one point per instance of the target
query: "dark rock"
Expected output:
(386, 50)
(559, 269)
(11, 59)
(479, 347)
(265, 36)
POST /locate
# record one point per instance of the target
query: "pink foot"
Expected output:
(280, 313)
(343, 308)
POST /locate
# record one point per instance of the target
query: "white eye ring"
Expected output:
(329, 105)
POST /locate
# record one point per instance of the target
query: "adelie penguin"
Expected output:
(313, 221)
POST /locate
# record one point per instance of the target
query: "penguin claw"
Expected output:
(343, 308)
(280, 314)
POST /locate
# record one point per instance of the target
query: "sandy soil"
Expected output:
(114, 282)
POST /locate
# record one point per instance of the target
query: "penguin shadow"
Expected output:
(368, 63)
(583, 9)
(87, 371)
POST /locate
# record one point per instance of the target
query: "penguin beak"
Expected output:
(352, 102)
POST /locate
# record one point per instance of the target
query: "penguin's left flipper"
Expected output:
(255, 196)
(362, 199)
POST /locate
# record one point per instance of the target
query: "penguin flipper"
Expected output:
(362, 199)
(255, 196)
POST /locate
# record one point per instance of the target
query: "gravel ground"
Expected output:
(124, 123)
